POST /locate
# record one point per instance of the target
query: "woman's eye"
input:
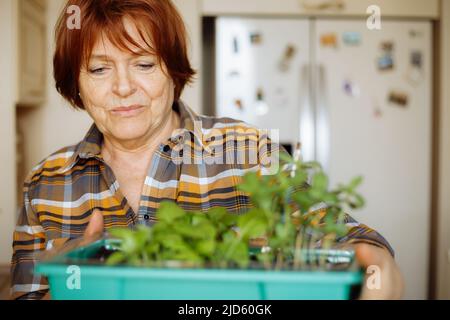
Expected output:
(97, 70)
(146, 66)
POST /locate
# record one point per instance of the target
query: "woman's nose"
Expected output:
(124, 85)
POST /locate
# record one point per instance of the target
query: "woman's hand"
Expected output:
(96, 225)
(383, 280)
(92, 233)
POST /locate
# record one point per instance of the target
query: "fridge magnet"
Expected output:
(415, 33)
(235, 45)
(329, 40)
(352, 38)
(398, 98)
(385, 62)
(414, 74)
(416, 59)
(234, 74)
(261, 106)
(387, 46)
(351, 89)
(377, 113)
(238, 104)
(285, 61)
(256, 38)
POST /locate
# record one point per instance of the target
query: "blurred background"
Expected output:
(364, 85)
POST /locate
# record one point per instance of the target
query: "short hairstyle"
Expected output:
(158, 20)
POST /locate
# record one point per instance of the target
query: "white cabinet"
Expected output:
(32, 52)
(389, 8)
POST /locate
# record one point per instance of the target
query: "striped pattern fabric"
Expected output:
(199, 168)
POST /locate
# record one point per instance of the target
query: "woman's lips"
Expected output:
(128, 111)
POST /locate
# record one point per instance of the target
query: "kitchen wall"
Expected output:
(8, 93)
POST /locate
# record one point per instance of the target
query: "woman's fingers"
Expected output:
(383, 279)
(96, 225)
(369, 255)
(93, 232)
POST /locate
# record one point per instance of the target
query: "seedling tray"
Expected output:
(82, 275)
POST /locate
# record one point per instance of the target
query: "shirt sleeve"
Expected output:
(29, 241)
(356, 232)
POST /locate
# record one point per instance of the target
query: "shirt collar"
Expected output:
(90, 146)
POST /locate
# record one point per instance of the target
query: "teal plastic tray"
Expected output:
(100, 282)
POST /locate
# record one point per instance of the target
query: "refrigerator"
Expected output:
(358, 100)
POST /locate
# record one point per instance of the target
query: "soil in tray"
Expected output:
(101, 256)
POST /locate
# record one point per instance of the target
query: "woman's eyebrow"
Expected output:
(100, 57)
(142, 52)
(138, 53)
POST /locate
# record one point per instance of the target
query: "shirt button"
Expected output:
(147, 217)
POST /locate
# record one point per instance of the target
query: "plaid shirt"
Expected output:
(192, 168)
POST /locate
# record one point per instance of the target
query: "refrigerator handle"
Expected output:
(306, 134)
(322, 118)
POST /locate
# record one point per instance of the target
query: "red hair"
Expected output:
(158, 20)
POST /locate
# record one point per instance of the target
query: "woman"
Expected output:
(127, 66)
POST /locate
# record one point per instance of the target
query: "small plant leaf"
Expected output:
(169, 211)
(115, 258)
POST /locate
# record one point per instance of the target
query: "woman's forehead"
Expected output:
(105, 49)
(133, 43)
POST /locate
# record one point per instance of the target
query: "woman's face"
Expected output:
(128, 95)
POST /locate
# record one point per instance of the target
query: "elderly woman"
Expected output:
(127, 67)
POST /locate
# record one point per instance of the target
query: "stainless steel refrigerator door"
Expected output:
(259, 77)
(374, 110)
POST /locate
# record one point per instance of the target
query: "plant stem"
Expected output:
(297, 252)
(279, 263)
